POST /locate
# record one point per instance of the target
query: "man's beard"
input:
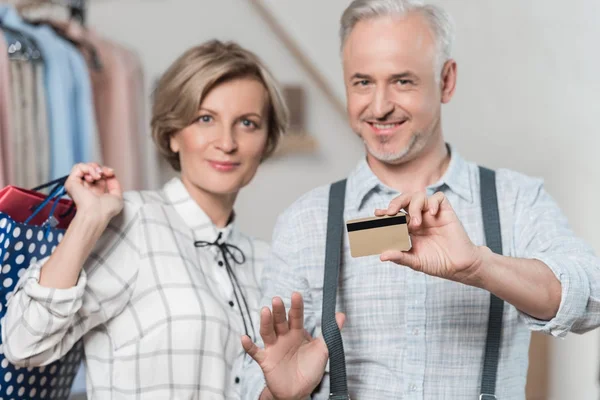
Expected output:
(393, 157)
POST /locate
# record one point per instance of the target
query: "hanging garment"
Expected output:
(42, 134)
(84, 120)
(69, 100)
(118, 100)
(58, 89)
(5, 113)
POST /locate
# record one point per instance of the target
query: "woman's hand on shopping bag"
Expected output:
(292, 361)
(95, 190)
(440, 245)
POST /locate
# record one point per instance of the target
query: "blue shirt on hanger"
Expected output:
(83, 116)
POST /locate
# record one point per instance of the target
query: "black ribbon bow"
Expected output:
(230, 251)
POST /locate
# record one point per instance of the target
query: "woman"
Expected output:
(161, 284)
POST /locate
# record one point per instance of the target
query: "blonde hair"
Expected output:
(183, 87)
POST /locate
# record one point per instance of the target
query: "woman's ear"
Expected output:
(174, 143)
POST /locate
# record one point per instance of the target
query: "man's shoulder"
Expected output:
(315, 202)
(308, 214)
(510, 180)
(513, 186)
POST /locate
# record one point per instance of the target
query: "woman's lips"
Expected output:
(224, 166)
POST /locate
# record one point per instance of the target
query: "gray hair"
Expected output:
(439, 20)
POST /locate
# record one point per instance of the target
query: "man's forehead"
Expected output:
(407, 37)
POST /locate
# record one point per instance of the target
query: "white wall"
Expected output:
(526, 99)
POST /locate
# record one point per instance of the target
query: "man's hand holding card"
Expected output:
(430, 239)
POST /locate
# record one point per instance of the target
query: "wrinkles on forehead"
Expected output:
(391, 45)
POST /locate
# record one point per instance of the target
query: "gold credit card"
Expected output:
(374, 235)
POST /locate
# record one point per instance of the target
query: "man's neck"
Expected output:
(417, 174)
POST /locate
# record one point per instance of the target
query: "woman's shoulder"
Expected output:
(140, 198)
(134, 204)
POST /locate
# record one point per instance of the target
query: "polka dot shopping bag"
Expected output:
(31, 226)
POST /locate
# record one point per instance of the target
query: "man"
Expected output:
(416, 322)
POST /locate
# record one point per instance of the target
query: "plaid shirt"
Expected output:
(158, 315)
(412, 336)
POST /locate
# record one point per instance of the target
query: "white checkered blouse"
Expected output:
(159, 315)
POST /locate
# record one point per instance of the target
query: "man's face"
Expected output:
(393, 96)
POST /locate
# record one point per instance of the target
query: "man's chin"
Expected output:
(386, 157)
(389, 155)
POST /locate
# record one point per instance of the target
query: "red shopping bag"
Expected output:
(19, 203)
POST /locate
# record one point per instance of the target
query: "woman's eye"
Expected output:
(249, 124)
(204, 118)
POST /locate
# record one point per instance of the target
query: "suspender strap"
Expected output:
(333, 253)
(493, 239)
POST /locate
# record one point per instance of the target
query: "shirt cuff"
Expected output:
(61, 303)
(575, 292)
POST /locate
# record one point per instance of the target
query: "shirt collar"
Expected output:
(9, 16)
(456, 178)
(194, 216)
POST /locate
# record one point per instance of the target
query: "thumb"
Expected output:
(407, 258)
(113, 187)
(340, 318)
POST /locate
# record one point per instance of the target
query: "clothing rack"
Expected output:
(96, 107)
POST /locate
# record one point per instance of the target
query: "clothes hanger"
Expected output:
(77, 12)
(22, 47)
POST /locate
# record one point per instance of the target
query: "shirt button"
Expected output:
(416, 332)
(220, 263)
(413, 387)
(231, 303)
(237, 379)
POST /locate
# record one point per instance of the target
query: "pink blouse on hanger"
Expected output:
(6, 161)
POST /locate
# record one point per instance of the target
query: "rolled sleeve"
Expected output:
(543, 233)
(61, 303)
(575, 290)
(36, 312)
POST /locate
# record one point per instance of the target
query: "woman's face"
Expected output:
(221, 151)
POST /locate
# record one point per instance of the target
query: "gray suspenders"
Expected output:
(338, 386)
(333, 257)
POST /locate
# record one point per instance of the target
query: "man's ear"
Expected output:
(448, 81)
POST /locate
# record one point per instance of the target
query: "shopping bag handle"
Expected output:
(53, 196)
(56, 182)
